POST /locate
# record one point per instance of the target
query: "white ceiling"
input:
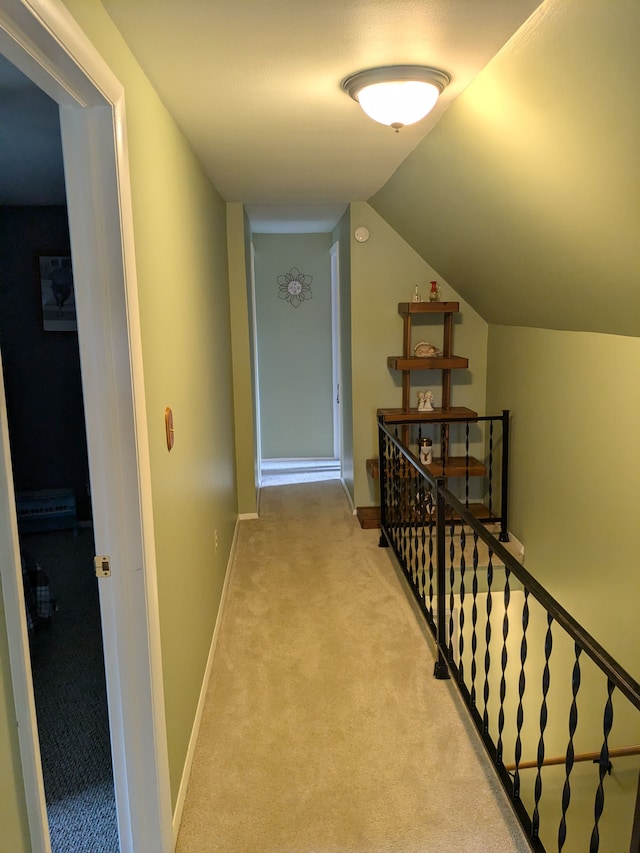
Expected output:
(255, 86)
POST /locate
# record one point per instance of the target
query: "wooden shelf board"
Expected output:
(452, 362)
(406, 470)
(373, 468)
(456, 466)
(428, 308)
(369, 516)
(455, 413)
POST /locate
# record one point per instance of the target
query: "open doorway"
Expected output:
(66, 66)
(50, 469)
(298, 384)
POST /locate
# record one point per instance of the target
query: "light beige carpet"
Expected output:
(324, 729)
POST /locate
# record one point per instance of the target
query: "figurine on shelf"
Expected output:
(425, 401)
(416, 295)
(434, 294)
(426, 350)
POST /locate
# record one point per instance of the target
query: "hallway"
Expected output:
(324, 730)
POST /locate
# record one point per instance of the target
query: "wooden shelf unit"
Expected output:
(408, 362)
(445, 414)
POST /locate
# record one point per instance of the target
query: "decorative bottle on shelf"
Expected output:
(434, 294)
(426, 451)
(416, 295)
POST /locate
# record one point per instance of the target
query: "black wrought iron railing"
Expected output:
(560, 719)
(472, 453)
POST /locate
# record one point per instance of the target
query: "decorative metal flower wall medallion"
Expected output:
(295, 286)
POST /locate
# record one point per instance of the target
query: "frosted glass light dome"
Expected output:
(397, 95)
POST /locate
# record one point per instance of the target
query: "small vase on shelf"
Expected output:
(434, 294)
(426, 451)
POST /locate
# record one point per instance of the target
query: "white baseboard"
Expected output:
(354, 511)
(295, 465)
(516, 547)
(186, 772)
(248, 516)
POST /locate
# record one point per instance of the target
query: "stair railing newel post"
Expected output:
(504, 497)
(441, 670)
(382, 474)
(634, 847)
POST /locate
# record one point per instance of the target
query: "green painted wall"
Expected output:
(181, 258)
(525, 195)
(14, 835)
(384, 272)
(244, 399)
(294, 348)
(575, 458)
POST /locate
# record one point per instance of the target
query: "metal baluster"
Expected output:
(382, 474)
(504, 490)
(441, 670)
(396, 496)
(391, 482)
(401, 503)
(503, 664)
(431, 535)
(452, 583)
(603, 768)
(634, 846)
(474, 620)
(423, 542)
(491, 468)
(487, 653)
(546, 680)
(466, 473)
(463, 569)
(521, 688)
(573, 724)
(411, 508)
(407, 482)
(420, 538)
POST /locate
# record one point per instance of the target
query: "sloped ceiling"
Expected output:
(526, 196)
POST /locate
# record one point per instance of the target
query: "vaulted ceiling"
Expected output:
(526, 196)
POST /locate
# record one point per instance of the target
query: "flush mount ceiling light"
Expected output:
(397, 95)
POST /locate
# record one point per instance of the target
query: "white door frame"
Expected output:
(255, 366)
(42, 39)
(334, 252)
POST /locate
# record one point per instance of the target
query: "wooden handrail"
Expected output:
(619, 752)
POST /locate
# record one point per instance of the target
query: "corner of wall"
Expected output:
(243, 397)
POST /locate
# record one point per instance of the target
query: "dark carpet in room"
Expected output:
(69, 686)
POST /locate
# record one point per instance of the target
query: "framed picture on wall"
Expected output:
(56, 289)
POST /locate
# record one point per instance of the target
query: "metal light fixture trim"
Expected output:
(407, 92)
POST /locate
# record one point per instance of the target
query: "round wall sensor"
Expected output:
(361, 234)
